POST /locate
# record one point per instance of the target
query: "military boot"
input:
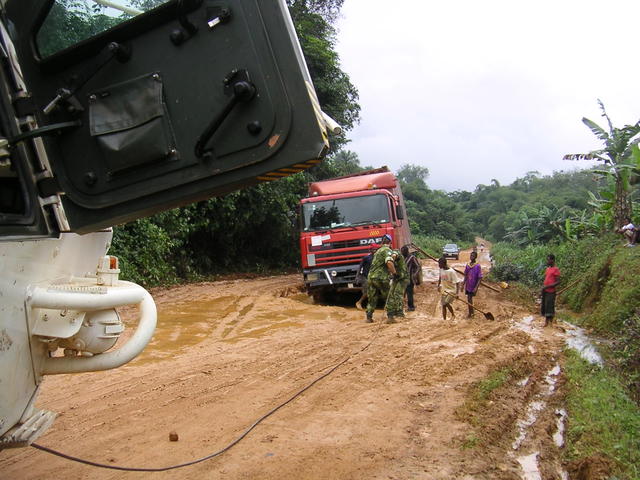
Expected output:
(391, 319)
(369, 318)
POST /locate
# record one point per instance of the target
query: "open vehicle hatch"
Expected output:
(192, 99)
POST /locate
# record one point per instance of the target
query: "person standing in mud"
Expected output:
(472, 277)
(363, 273)
(382, 266)
(413, 269)
(548, 293)
(397, 287)
(448, 286)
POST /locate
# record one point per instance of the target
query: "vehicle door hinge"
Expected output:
(55, 203)
(49, 192)
(24, 105)
(48, 186)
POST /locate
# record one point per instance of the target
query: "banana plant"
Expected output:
(541, 224)
(621, 163)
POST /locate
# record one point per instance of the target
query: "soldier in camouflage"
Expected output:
(382, 266)
(399, 282)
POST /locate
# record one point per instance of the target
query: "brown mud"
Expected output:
(227, 352)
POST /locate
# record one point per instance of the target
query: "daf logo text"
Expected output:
(369, 241)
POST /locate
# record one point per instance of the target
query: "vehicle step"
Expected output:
(24, 434)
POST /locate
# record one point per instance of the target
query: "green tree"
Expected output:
(493, 209)
(413, 173)
(343, 162)
(329, 9)
(619, 163)
(71, 21)
(432, 212)
(338, 97)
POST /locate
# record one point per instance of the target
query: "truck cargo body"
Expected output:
(340, 220)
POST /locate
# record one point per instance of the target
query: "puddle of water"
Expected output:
(184, 325)
(578, 340)
(536, 405)
(550, 380)
(462, 350)
(258, 329)
(558, 436)
(529, 464)
(523, 425)
(553, 372)
(526, 325)
(303, 298)
(455, 349)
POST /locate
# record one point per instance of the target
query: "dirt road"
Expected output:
(227, 352)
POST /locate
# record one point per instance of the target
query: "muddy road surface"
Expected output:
(225, 353)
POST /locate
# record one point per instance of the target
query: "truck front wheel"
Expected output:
(318, 296)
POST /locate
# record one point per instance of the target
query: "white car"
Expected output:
(451, 250)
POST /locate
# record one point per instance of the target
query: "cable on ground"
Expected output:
(228, 446)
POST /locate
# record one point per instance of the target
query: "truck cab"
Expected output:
(340, 220)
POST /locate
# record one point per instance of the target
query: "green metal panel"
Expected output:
(140, 117)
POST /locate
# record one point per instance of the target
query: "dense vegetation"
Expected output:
(220, 234)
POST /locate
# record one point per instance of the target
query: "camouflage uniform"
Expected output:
(395, 300)
(378, 279)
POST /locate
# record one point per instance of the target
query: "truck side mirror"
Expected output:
(399, 212)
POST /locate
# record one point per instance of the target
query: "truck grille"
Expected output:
(344, 244)
(356, 254)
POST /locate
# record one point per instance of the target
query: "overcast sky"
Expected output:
(481, 90)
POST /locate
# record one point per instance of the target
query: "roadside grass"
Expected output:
(620, 295)
(495, 380)
(520, 293)
(471, 441)
(603, 419)
(478, 396)
(476, 408)
(584, 260)
(625, 354)
(613, 311)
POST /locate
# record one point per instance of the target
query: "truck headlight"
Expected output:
(99, 332)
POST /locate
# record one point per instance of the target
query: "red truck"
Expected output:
(339, 221)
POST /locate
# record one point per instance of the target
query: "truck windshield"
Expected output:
(345, 212)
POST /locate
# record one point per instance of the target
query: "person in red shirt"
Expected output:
(548, 293)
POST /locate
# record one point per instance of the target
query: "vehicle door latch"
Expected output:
(63, 95)
(217, 15)
(239, 86)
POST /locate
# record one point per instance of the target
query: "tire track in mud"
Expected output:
(390, 412)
